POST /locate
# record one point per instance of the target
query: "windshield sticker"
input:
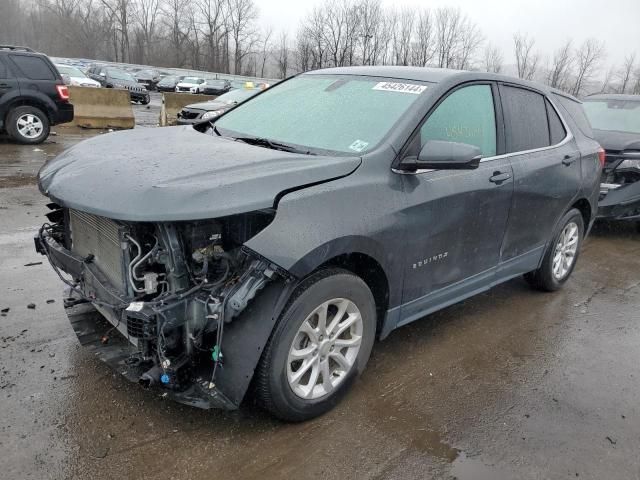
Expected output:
(358, 145)
(400, 87)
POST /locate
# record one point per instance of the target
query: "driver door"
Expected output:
(456, 219)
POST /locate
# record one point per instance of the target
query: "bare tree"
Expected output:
(424, 46)
(588, 58)
(145, 15)
(448, 22)
(493, 60)
(283, 55)
(177, 25)
(626, 73)
(242, 16)
(120, 12)
(560, 70)
(526, 59)
(606, 81)
(265, 49)
(469, 40)
(213, 21)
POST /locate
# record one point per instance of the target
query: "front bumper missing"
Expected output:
(93, 332)
(94, 324)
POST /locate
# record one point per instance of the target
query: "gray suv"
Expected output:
(272, 245)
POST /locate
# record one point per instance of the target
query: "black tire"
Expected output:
(14, 132)
(145, 101)
(543, 278)
(273, 390)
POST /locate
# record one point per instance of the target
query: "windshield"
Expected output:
(71, 71)
(617, 115)
(120, 75)
(169, 79)
(340, 113)
(192, 80)
(236, 96)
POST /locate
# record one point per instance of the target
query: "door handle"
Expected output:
(4, 85)
(568, 160)
(499, 177)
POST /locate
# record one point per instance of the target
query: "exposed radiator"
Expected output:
(100, 237)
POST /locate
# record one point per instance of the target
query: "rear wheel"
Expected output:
(320, 345)
(561, 255)
(145, 101)
(28, 125)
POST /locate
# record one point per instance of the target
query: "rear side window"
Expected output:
(576, 111)
(465, 116)
(556, 129)
(4, 73)
(34, 68)
(527, 124)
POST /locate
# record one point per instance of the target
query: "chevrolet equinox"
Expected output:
(269, 247)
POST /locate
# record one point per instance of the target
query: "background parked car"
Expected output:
(76, 77)
(148, 77)
(216, 87)
(168, 83)
(616, 123)
(190, 85)
(32, 95)
(111, 77)
(199, 112)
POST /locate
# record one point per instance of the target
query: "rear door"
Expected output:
(456, 218)
(546, 167)
(36, 73)
(8, 85)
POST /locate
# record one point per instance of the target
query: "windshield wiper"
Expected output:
(265, 142)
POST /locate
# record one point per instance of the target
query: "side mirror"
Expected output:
(102, 74)
(440, 155)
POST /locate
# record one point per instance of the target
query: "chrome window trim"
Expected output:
(568, 137)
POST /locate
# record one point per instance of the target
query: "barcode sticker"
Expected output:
(400, 87)
(135, 306)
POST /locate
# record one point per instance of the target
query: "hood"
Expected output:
(210, 105)
(615, 141)
(177, 173)
(184, 84)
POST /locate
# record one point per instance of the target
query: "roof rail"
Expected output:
(15, 47)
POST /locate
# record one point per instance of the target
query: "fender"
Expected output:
(35, 98)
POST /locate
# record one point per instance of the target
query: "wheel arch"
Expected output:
(584, 207)
(371, 272)
(22, 101)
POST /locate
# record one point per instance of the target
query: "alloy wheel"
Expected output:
(325, 348)
(565, 251)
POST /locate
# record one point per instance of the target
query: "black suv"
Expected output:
(111, 77)
(272, 245)
(33, 96)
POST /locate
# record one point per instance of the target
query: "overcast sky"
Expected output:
(551, 22)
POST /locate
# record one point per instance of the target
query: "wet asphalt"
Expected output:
(510, 384)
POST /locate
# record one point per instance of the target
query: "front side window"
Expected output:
(465, 116)
(34, 68)
(614, 114)
(339, 113)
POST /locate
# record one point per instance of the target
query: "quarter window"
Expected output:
(556, 129)
(527, 124)
(34, 68)
(465, 116)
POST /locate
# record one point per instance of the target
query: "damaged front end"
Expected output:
(620, 187)
(182, 306)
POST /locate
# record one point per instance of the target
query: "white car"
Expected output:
(76, 77)
(190, 85)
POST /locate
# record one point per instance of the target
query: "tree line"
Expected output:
(226, 36)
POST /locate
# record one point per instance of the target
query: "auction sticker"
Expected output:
(400, 87)
(358, 145)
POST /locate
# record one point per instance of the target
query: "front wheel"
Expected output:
(321, 343)
(561, 255)
(145, 101)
